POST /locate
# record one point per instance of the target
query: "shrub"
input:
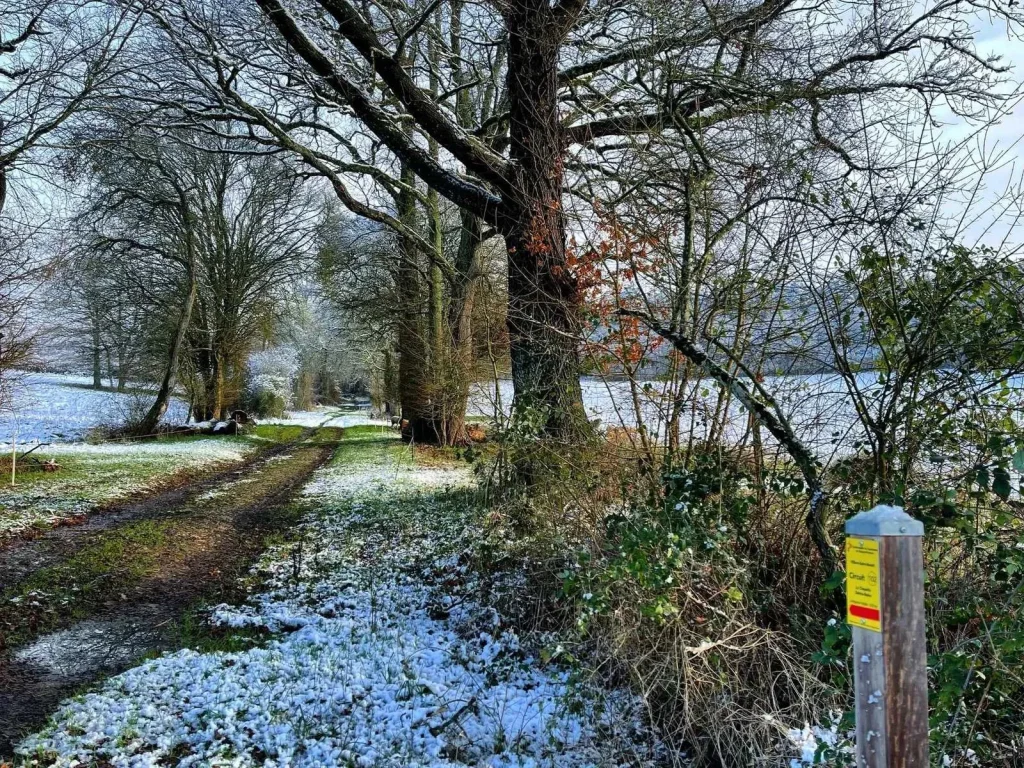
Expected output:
(693, 578)
(687, 593)
(266, 397)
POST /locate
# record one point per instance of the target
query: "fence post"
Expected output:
(885, 608)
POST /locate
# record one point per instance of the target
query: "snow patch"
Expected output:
(52, 407)
(372, 662)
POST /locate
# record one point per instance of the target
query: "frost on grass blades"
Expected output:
(378, 655)
(94, 474)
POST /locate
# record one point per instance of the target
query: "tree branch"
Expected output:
(469, 150)
(767, 412)
(10, 46)
(460, 191)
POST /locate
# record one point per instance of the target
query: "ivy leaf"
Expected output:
(1018, 460)
(1001, 483)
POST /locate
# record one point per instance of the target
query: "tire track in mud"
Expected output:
(86, 602)
(22, 556)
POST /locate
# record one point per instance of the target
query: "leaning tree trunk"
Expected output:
(764, 407)
(163, 397)
(544, 299)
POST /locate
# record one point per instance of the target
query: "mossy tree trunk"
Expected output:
(544, 299)
(413, 348)
(156, 412)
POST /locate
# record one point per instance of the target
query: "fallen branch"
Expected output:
(33, 448)
(767, 411)
(436, 730)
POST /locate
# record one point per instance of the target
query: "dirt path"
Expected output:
(82, 603)
(20, 557)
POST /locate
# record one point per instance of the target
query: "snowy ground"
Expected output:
(378, 654)
(50, 407)
(47, 407)
(329, 416)
(817, 406)
(94, 474)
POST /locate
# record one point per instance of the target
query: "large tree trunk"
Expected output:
(442, 372)
(413, 382)
(460, 325)
(152, 418)
(215, 386)
(413, 350)
(544, 300)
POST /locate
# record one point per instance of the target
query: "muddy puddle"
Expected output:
(39, 675)
(92, 647)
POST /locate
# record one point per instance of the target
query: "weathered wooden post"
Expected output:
(885, 608)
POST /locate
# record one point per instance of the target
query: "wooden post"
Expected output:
(885, 608)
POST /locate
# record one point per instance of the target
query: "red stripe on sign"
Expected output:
(862, 612)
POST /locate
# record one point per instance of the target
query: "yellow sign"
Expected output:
(863, 584)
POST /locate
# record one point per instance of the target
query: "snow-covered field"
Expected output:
(47, 407)
(816, 405)
(379, 655)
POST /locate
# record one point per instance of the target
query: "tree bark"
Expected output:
(544, 299)
(215, 386)
(152, 418)
(122, 369)
(413, 354)
(97, 368)
(460, 326)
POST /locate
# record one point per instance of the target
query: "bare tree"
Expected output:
(575, 87)
(101, 311)
(434, 352)
(142, 213)
(210, 231)
(56, 56)
(256, 229)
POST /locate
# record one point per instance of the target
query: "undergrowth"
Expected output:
(695, 582)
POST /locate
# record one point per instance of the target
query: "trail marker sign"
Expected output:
(885, 609)
(863, 584)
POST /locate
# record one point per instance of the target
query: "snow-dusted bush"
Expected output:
(270, 381)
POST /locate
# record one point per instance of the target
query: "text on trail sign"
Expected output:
(863, 585)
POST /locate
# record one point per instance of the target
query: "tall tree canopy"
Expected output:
(578, 98)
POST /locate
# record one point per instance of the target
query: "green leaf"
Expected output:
(1018, 460)
(1001, 483)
